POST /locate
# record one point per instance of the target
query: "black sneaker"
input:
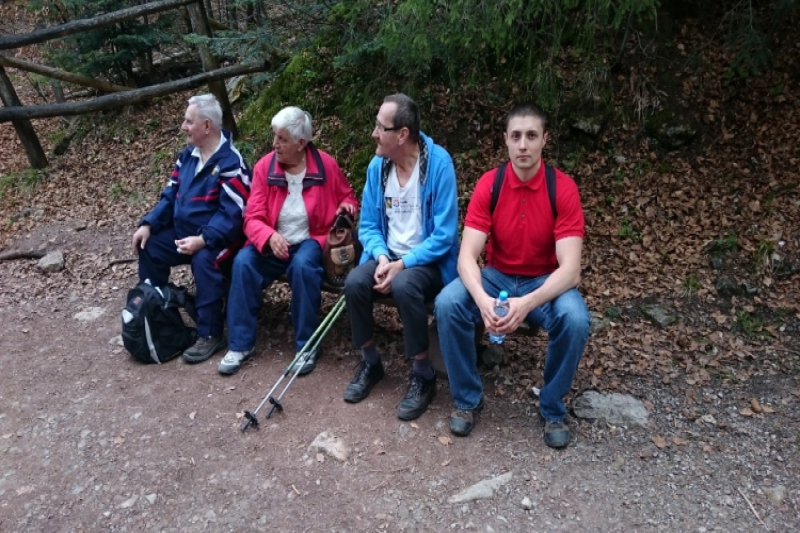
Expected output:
(419, 395)
(556, 434)
(366, 377)
(203, 349)
(463, 420)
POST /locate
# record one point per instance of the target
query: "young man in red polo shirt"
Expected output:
(533, 253)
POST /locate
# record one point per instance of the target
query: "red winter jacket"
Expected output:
(325, 188)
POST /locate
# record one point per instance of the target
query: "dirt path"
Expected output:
(92, 441)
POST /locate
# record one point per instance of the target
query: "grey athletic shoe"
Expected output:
(203, 349)
(233, 360)
(307, 365)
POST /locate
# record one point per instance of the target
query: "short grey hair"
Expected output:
(208, 107)
(294, 120)
(406, 115)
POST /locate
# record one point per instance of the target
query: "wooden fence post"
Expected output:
(24, 128)
(201, 27)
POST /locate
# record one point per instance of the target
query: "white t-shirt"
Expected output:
(293, 218)
(404, 212)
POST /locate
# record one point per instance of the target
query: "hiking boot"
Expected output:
(463, 420)
(203, 349)
(419, 395)
(233, 361)
(366, 377)
(306, 364)
(556, 434)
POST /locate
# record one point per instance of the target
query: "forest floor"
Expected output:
(92, 441)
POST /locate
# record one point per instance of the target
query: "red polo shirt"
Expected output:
(522, 232)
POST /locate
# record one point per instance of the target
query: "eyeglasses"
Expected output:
(383, 129)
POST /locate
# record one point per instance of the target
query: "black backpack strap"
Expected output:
(496, 186)
(550, 181)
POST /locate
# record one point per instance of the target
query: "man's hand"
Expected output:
(517, 312)
(385, 273)
(346, 208)
(279, 245)
(190, 245)
(140, 238)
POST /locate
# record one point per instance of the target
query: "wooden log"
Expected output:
(200, 26)
(62, 75)
(127, 98)
(23, 127)
(18, 254)
(77, 26)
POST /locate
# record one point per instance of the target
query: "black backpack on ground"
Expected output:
(153, 330)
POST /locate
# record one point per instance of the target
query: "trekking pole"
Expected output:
(305, 351)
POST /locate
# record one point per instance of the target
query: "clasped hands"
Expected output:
(517, 313)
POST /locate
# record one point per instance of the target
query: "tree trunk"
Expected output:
(63, 75)
(77, 26)
(217, 88)
(24, 128)
(134, 96)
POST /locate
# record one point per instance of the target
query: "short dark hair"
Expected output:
(407, 114)
(527, 109)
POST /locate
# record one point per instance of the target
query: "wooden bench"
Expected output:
(490, 356)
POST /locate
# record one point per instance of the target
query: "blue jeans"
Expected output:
(159, 256)
(254, 271)
(566, 320)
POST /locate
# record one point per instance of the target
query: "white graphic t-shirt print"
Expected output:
(404, 212)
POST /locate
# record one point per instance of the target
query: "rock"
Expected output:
(481, 490)
(116, 341)
(90, 314)
(403, 431)
(670, 131)
(493, 355)
(128, 503)
(151, 498)
(211, 516)
(331, 445)
(725, 286)
(599, 322)
(776, 494)
(716, 261)
(618, 409)
(526, 503)
(52, 262)
(658, 316)
(590, 126)
(79, 225)
(748, 289)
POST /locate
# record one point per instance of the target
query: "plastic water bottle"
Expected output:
(501, 310)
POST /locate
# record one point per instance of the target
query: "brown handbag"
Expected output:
(342, 250)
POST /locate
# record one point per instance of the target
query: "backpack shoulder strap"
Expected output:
(496, 186)
(550, 181)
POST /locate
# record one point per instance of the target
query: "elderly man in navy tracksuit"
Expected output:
(198, 220)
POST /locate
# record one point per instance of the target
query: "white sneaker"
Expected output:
(233, 360)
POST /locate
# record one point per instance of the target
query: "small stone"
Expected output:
(90, 314)
(776, 494)
(52, 262)
(151, 498)
(527, 504)
(211, 516)
(403, 431)
(128, 503)
(116, 341)
(331, 445)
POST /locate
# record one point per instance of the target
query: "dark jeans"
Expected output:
(160, 255)
(254, 271)
(411, 288)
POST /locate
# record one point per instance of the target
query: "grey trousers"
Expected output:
(411, 289)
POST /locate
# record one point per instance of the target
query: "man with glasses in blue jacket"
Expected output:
(409, 229)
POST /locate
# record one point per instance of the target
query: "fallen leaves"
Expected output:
(445, 440)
